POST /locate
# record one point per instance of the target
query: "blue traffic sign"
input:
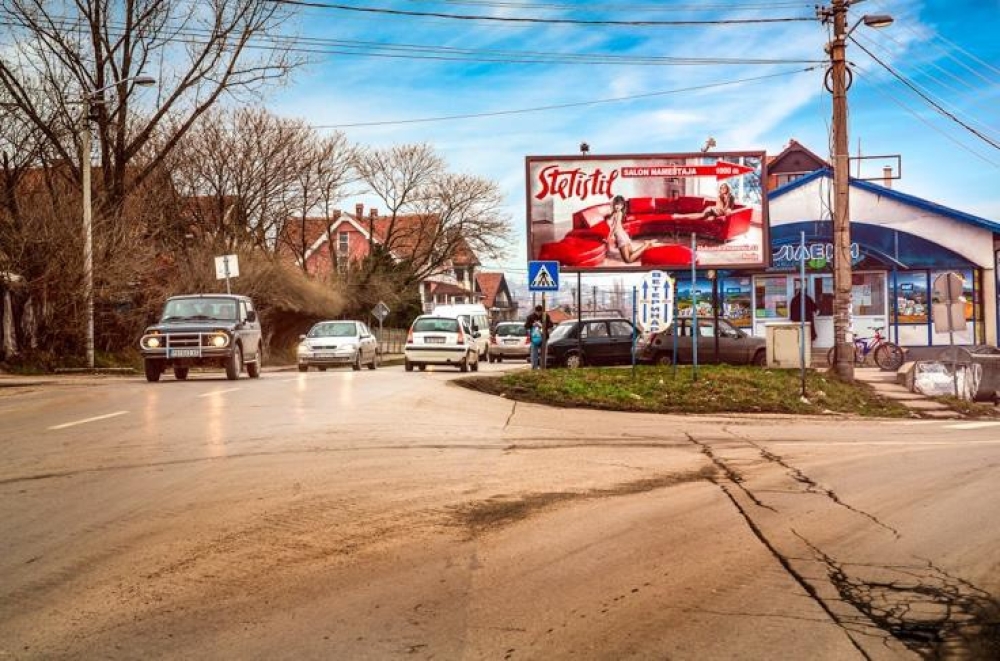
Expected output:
(543, 276)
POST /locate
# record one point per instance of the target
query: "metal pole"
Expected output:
(579, 315)
(694, 308)
(841, 180)
(545, 334)
(635, 303)
(88, 237)
(715, 315)
(802, 309)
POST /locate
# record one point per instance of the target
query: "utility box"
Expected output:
(784, 344)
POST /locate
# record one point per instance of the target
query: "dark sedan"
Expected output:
(591, 342)
(735, 346)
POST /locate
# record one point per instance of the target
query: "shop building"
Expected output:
(900, 245)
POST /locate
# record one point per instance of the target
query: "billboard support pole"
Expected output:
(579, 315)
(694, 306)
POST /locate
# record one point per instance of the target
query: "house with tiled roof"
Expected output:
(496, 296)
(320, 245)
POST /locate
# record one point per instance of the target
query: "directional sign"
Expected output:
(656, 301)
(227, 266)
(543, 276)
(720, 170)
(380, 311)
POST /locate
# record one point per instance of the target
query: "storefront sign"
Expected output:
(817, 255)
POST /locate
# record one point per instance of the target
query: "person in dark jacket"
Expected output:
(795, 310)
(540, 320)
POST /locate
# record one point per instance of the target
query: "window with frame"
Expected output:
(343, 242)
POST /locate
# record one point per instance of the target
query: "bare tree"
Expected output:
(431, 214)
(73, 49)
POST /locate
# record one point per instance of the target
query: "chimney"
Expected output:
(887, 176)
(359, 210)
(373, 213)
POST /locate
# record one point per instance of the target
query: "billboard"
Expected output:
(637, 212)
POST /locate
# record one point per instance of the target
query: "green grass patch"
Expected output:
(717, 389)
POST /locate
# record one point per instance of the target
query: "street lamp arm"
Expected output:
(143, 81)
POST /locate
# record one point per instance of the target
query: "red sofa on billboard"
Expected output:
(586, 244)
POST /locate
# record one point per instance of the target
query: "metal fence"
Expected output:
(391, 340)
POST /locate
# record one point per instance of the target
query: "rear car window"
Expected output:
(512, 330)
(435, 325)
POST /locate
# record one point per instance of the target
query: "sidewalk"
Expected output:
(884, 383)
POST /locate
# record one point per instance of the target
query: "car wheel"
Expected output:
(574, 360)
(180, 373)
(375, 359)
(321, 369)
(475, 366)
(235, 364)
(356, 365)
(760, 359)
(423, 368)
(303, 368)
(253, 369)
(407, 365)
(153, 370)
(663, 359)
(463, 366)
(499, 359)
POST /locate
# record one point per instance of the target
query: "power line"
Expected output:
(790, 4)
(547, 21)
(926, 98)
(562, 106)
(359, 48)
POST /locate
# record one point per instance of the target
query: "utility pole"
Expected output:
(837, 83)
(88, 232)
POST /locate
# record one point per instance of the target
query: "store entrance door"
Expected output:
(820, 288)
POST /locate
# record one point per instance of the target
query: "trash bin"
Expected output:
(988, 358)
(782, 342)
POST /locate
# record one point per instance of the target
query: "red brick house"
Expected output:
(320, 245)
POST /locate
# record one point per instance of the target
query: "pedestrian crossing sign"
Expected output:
(543, 276)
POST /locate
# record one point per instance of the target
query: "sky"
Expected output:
(602, 74)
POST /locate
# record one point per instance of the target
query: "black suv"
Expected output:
(216, 330)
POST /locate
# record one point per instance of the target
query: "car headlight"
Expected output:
(303, 349)
(153, 342)
(219, 340)
(349, 346)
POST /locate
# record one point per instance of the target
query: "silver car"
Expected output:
(334, 343)
(509, 340)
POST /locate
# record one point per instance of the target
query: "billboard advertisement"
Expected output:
(638, 212)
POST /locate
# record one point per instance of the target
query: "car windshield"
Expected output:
(435, 325)
(561, 331)
(511, 330)
(216, 309)
(334, 329)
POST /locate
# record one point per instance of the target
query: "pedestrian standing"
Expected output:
(538, 325)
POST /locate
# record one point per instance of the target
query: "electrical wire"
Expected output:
(926, 98)
(791, 4)
(562, 106)
(545, 21)
(927, 123)
(359, 48)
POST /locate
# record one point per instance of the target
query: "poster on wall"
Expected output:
(638, 212)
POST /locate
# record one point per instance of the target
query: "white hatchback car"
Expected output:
(434, 340)
(333, 343)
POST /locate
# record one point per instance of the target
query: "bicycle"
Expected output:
(888, 355)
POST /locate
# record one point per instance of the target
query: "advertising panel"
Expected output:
(638, 212)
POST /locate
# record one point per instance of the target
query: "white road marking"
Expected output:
(218, 392)
(972, 425)
(85, 421)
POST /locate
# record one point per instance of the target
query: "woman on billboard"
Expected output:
(619, 242)
(720, 209)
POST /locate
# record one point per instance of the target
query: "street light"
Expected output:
(837, 85)
(87, 100)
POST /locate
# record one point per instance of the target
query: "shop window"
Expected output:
(868, 294)
(911, 298)
(771, 294)
(736, 295)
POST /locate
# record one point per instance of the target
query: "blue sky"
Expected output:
(948, 49)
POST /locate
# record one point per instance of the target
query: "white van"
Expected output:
(476, 316)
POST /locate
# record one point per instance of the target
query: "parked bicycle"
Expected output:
(887, 355)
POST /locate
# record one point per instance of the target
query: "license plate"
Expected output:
(434, 340)
(512, 341)
(185, 353)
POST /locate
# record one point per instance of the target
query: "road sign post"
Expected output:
(227, 266)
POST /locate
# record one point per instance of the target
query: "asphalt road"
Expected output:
(356, 515)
